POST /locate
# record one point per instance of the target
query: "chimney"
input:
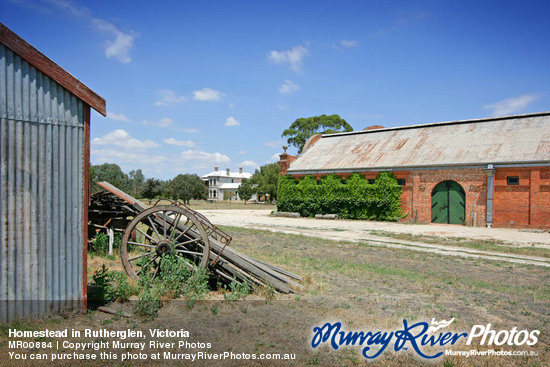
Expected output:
(286, 160)
(241, 170)
(227, 171)
(216, 168)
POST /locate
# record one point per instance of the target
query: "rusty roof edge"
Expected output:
(426, 167)
(40, 61)
(431, 124)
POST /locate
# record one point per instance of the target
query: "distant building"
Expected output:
(220, 182)
(493, 171)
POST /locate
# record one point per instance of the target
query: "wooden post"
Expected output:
(111, 234)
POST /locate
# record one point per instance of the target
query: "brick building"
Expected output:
(485, 172)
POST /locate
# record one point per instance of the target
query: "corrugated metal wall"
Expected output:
(41, 192)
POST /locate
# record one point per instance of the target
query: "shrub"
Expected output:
(356, 199)
(100, 244)
(174, 279)
(108, 286)
(149, 301)
(195, 287)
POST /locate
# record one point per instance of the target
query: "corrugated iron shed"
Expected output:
(511, 140)
(44, 182)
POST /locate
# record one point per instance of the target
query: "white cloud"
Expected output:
(276, 157)
(274, 143)
(379, 33)
(118, 48)
(231, 105)
(231, 121)
(207, 94)
(163, 122)
(292, 57)
(199, 159)
(135, 158)
(282, 107)
(117, 116)
(180, 143)
(189, 131)
(249, 164)
(349, 43)
(242, 151)
(169, 97)
(288, 87)
(511, 105)
(122, 139)
(119, 44)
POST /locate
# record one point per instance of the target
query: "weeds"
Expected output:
(214, 309)
(237, 291)
(100, 244)
(195, 287)
(174, 279)
(149, 301)
(108, 286)
(269, 293)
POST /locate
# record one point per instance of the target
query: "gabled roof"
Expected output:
(519, 139)
(51, 69)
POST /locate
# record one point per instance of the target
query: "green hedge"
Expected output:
(356, 199)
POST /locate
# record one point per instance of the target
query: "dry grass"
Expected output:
(483, 245)
(366, 288)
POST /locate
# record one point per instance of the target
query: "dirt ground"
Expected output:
(369, 231)
(365, 287)
(354, 229)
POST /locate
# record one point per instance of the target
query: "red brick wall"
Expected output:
(473, 181)
(523, 205)
(540, 202)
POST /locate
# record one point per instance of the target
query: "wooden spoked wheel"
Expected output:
(161, 231)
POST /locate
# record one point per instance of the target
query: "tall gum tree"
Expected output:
(303, 128)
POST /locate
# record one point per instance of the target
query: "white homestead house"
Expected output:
(220, 182)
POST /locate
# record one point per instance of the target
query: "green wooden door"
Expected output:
(448, 203)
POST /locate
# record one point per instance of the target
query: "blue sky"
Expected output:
(194, 84)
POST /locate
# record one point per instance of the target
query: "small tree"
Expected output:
(245, 190)
(111, 173)
(136, 181)
(228, 195)
(187, 187)
(264, 181)
(152, 188)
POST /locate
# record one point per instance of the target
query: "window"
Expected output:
(370, 181)
(343, 181)
(512, 180)
(401, 181)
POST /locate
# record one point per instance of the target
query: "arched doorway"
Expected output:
(448, 203)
